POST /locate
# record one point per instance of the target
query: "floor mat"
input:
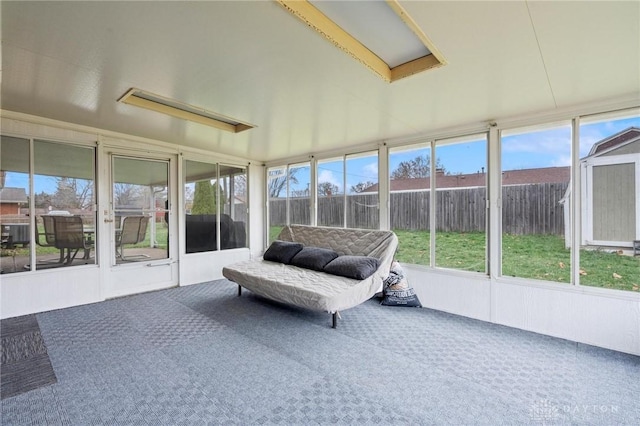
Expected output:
(25, 364)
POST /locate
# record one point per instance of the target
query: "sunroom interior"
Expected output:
(250, 118)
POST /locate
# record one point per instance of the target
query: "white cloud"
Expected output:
(561, 161)
(371, 171)
(327, 176)
(542, 145)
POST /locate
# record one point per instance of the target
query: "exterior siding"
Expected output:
(9, 208)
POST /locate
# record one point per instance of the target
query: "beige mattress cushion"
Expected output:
(319, 290)
(301, 287)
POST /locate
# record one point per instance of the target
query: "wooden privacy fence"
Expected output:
(533, 209)
(526, 209)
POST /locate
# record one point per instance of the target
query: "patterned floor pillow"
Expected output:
(396, 290)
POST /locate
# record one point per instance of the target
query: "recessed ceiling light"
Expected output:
(178, 109)
(379, 34)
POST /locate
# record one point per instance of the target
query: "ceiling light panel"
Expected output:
(366, 21)
(379, 34)
(161, 104)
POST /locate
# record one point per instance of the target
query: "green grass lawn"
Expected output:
(541, 257)
(161, 238)
(453, 250)
(273, 233)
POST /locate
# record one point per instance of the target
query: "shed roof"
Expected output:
(615, 141)
(13, 195)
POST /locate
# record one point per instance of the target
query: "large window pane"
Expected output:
(299, 194)
(461, 194)
(610, 216)
(233, 217)
(215, 199)
(289, 197)
(64, 196)
(200, 198)
(536, 170)
(14, 204)
(140, 194)
(409, 172)
(277, 192)
(331, 192)
(362, 191)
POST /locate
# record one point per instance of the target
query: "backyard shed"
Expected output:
(610, 183)
(11, 199)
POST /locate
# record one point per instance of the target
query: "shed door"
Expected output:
(614, 202)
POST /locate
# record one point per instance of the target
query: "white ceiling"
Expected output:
(253, 61)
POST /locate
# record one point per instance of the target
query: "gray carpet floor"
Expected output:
(202, 355)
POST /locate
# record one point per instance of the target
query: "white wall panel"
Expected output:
(22, 294)
(581, 314)
(197, 268)
(458, 293)
(578, 314)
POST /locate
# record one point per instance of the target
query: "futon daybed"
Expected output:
(317, 289)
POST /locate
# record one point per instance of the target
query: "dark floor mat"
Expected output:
(25, 364)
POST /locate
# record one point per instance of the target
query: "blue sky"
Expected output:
(47, 184)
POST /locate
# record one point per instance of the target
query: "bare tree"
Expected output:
(127, 194)
(278, 181)
(42, 200)
(361, 186)
(72, 193)
(327, 189)
(419, 167)
(240, 185)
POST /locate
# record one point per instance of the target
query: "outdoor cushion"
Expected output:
(357, 267)
(314, 258)
(282, 251)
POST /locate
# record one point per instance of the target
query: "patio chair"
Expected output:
(70, 236)
(133, 231)
(49, 237)
(7, 248)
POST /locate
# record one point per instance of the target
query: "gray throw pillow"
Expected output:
(356, 267)
(313, 258)
(282, 251)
